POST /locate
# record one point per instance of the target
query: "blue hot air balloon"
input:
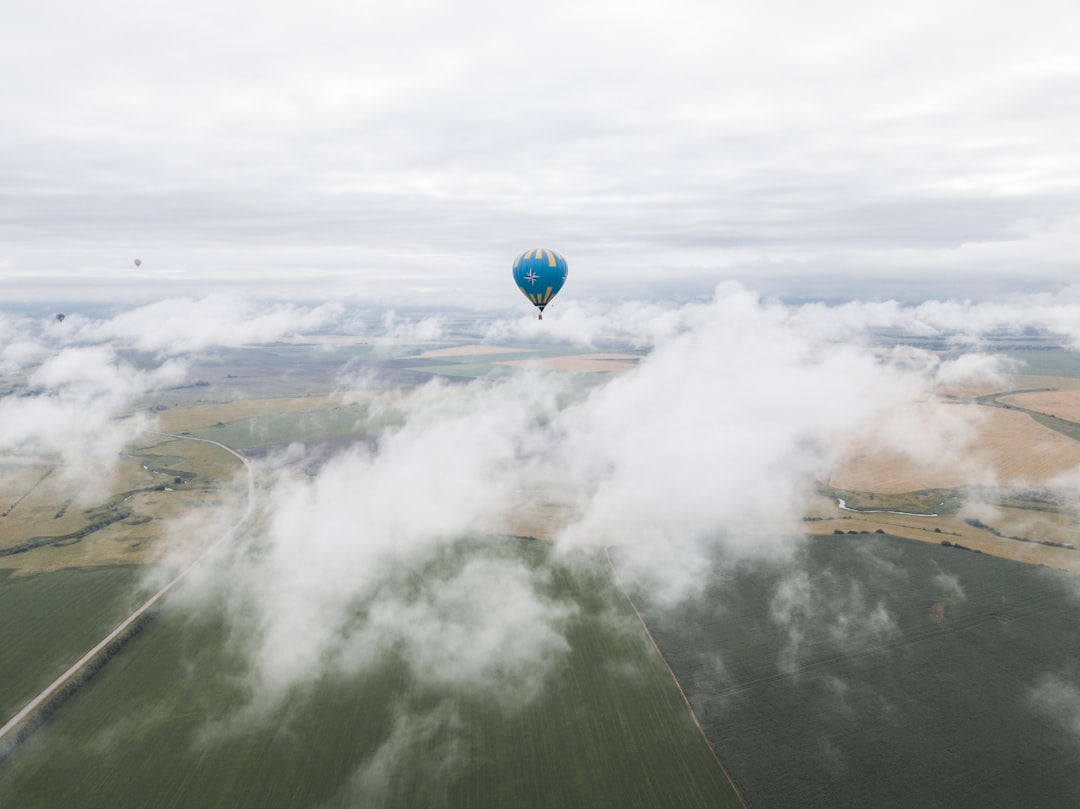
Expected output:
(540, 274)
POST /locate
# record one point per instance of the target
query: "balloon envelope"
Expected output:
(540, 274)
(138, 262)
(60, 317)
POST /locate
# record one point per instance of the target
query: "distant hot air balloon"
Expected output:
(540, 274)
(138, 262)
(60, 317)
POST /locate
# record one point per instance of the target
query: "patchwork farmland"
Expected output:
(827, 681)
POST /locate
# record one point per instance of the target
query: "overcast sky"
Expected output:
(409, 151)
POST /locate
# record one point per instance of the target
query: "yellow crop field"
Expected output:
(1005, 447)
(1065, 404)
(993, 452)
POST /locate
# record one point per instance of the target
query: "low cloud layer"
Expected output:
(69, 413)
(710, 445)
(180, 326)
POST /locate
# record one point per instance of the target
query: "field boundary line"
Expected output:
(41, 700)
(27, 493)
(678, 685)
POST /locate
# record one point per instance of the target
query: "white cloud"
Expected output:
(948, 584)
(438, 736)
(976, 369)
(329, 583)
(716, 435)
(179, 326)
(76, 410)
(1057, 697)
(486, 628)
(72, 395)
(423, 330)
(828, 611)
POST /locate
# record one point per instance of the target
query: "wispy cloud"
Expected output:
(1057, 697)
(69, 412)
(182, 325)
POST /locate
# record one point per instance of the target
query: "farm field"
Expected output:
(875, 671)
(50, 619)
(278, 428)
(1003, 448)
(498, 362)
(608, 729)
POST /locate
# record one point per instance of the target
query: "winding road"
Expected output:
(54, 687)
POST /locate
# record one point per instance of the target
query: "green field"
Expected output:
(1046, 361)
(609, 728)
(48, 620)
(280, 428)
(902, 674)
